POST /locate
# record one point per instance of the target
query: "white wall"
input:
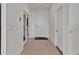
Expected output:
(52, 24)
(74, 23)
(39, 17)
(14, 27)
(71, 28)
(66, 29)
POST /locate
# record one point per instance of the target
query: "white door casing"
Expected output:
(3, 29)
(25, 25)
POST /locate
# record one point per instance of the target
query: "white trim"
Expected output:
(3, 29)
(27, 14)
(55, 31)
(20, 51)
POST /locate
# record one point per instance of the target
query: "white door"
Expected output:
(40, 31)
(59, 27)
(42, 24)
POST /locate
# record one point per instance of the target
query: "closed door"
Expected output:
(41, 24)
(40, 31)
(59, 27)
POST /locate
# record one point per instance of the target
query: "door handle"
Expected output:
(56, 30)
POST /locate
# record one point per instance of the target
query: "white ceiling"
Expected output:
(39, 5)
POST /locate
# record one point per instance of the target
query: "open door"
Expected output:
(59, 27)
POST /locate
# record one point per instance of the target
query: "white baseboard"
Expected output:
(20, 51)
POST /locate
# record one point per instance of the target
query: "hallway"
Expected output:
(39, 47)
(21, 23)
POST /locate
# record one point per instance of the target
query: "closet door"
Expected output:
(59, 27)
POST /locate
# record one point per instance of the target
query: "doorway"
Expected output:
(59, 27)
(25, 26)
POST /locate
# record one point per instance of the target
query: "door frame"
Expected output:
(24, 34)
(3, 28)
(57, 7)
